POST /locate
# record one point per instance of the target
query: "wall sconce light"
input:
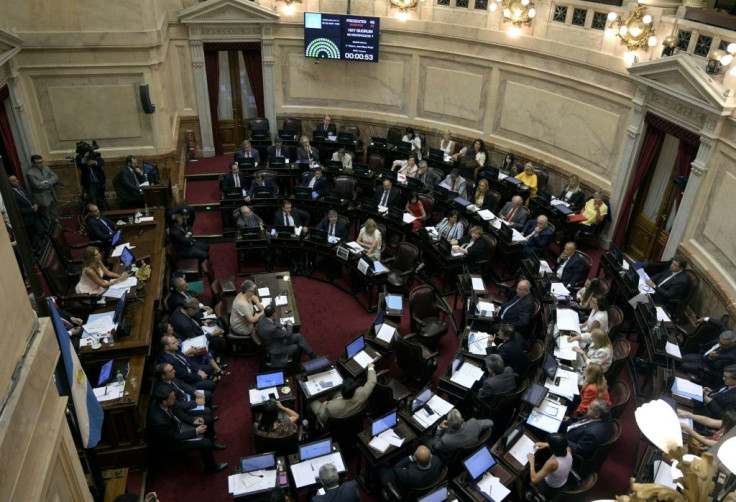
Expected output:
(669, 44)
(634, 29)
(718, 59)
(289, 8)
(518, 13)
(404, 5)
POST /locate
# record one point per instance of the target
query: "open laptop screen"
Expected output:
(479, 463)
(439, 495)
(258, 462)
(315, 364)
(127, 257)
(105, 373)
(266, 380)
(316, 449)
(384, 423)
(550, 366)
(355, 346)
(535, 394)
(421, 399)
(119, 308)
(116, 237)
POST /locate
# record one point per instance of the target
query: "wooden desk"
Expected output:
(115, 481)
(457, 392)
(261, 495)
(294, 459)
(513, 465)
(281, 396)
(354, 369)
(381, 345)
(279, 283)
(467, 492)
(374, 457)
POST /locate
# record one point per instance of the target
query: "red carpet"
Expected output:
(212, 165)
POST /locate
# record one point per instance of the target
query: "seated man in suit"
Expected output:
(278, 150)
(712, 357)
(349, 401)
(245, 218)
(389, 196)
(129, 183)
(247, 152)
(186, 211)
(570, 267)
(514, 213)
(315, 180)
(717, 402)
(334, 491)
(235, 178)
(499, 382)
(290, 216)
(518, 311)
(306, 153)
(188, 399)
(455, 183)
(182, 237)
(179, 294)
(261, 184)
(670, 285)
(100, 227)
(538, 235)
(415, 471)
(280, 341)
(588, 432)
(345, 158)
(455, 433)
(426, 175)
(170, 430)
(327, 126)
(189, 371)
(185, 323)
(333, 225)
(509, 344)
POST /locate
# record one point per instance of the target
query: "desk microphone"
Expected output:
(255, 475)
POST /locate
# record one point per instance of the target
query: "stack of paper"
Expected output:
(263, 292)
(485, 309)
(196, 343)
(281, 300)
(439, 405)
(516, 236)
(251, 482)
(523, 447)
(320, 381)
(568, 387)
(386, 333)
(307, 473)
(492, 486)
(100, 324)
(486, 214)
(109, 392)
(362, 358)
(565, 350)
(559, 289)
(688, 389)
(477, 283)
(426, 417)
(386, 439)
(477, 342)
(284, 320)
(467, 375)
(567, 320)
(662, 315)
(544, 267)
(408, 218)
(672, 349)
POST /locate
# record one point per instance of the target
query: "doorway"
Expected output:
(236, 103)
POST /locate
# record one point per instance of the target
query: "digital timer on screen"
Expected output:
(332, 36)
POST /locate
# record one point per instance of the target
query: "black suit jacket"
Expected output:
(164, 431)
(477, 251)
(254, 153)
(394, 197)
(229, 180)
(285, 152)
(407, 474)
(721, 402)
(520, 314)
(302, 154)
(346, 492)
(576, 200)
(584, 439)
(331, 130)
(185, 400)
(182, 243)
(99, 231)
(127, 190)
(573, 271)
(25, 203)
(341, 228)
(674, 289)
(512, 353)
(85, 176)
(186, 369)
(300, 217)
(185, 326)
(276, 338)
(320, 185)
(268, 184)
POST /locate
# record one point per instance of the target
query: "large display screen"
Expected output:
(332, 36)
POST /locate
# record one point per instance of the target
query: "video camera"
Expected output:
(85, 149)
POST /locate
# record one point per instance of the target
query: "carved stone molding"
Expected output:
(694, 117)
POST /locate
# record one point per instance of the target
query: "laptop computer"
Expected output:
(456, 363)
(616, 255)
(550, 366)
(233, 193)
(535, 394)
(442, 193)
(334, 164)
(315, 449)
(436, 154)
(490, 172)
(395, 213)
(462, 201)
(287, 134)
(544, 197)
(422, 398)
(127, 258)
(388, 421)
(277, 162)
(284, 230)
(511, 180)
(546, 285)
(379, 142)
(506, 233)
(345, 137)
(120, 308)
(534, 263)
(403, 147)
(267, 380)
(246, 163)
(301, 192)
(438, 495)
(631, 278)
(355, 346)
(258, 462)
(319, 135)
(116, 238)
(369, 205)
(317, 235)
(316, 365)
(105, 373)
(564, 209)
(479, 462)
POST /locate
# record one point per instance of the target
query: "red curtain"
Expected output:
(649, 149)
(685, 155)
(213, 90)
(254, 69)
(7, 145)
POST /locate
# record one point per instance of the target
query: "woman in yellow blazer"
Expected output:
(529, 179)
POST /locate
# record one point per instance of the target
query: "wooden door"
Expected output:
(233, 126)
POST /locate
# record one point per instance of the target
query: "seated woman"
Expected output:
(370, 238)
(483, 198)
(594, 386)
(472, 246)
(406, 167)
(92, 280)
(416, 142)
(555, 471)
(722, 426)
(276, 420)
(205, 359)
(598, 318)
(479, 154)
(446, 144)
(508, 166)
(450, 228)
(573, 194)
(598, 350)
(529, 178)
(415, 208)
(593, 288)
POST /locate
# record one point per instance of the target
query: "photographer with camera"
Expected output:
(93, 178)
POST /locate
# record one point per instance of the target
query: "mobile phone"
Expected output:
(282, 478)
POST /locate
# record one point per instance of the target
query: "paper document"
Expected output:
(492, 486)
(144, 219)
(568, 387)
(662, 315)
(281, 300)
(320, 381)
(523, 447)
(109, 392)
(552, 408)
(714, 347)
(210, 329)
(354, 247)
(251, 482)
(362, 358)
(98, 324)
(544, 267)
(263, 292)
(391, 438)
(379, 268)
(559, 289)
(486, 214)
(439, 405)
(426, 417)
(477, 343)
(119, 249)
(672, 349)
(467, 375)
(516, 236)
(663, 474)
(262, 395)
(197, 343)
(484, 309)
(394, 302)
(688, 389)
(378, 443)
(477, 283)
(284, 320)
(456, 254)
(567, 320)
(382, 209)
(386, 333)
(565, 350)
(408, 218)
(643, 278)
(307, 473)
(114, 293)
(126, 284)
(544, 422)
(558, 202)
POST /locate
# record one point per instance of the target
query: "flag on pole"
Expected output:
(86, 406)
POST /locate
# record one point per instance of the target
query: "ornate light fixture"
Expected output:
(717, 59)
(518, 13)
(404, 5)
(289, 8)
(635, 29)
(669, 44)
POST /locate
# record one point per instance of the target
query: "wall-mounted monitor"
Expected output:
(333, 36)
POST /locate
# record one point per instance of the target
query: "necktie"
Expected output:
(666, 279)
(23, 194)
(511, 214)
(183, 361)
(384, 199)
(183, 395)
(288, 221)
(247, 154)
(137, 183)
(510, 306)
(278, 152)
(237, 180)
(105, 223)
(332, 229)
(311, 183)
(722, 389)
(452, 187)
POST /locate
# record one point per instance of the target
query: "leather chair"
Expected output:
(503, 412)
(454, 461)
(542, 178)
(219, 295)
(402, 267)
(269, 175)
(621, 351)
(428, 203)
(589, 234)
(393, 495)
(382, 228)
(620, 394)
(238, 344)
(72, 263)
(354, 130)
(427, 311)
(416, 361)
(585, 466)
(678, 307)
(227, 282)
(376, 162)
(345, 186)
(264, 358)
(587, 264)
(344, 430)
(580, 492)
(388, 394)
(293, 125)
(615, 322)
(258, 124)
(496, 204)
(188, 266)
(483, 265)
(533, 358)
(279, 445)
(703, 334)
(62, 285)
(393, 136)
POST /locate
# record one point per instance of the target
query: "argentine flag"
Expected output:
(86, 406)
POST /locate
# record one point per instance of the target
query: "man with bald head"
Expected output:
(518, 310)
(538, 235)
(414, 471)
(569, 268)
(100, 227)
(513, 213)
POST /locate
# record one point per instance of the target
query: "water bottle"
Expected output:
(305, 429)
(120, 378)
(145, 210)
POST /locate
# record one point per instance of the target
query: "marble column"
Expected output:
(200, 89)
(267, 60)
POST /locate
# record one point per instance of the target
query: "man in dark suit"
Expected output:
(570, 266)
(722, 399)
(315, 180)
(510, 346)
(28, 209)
(260, 183)
(415, 471)
(187, 398)
(179, 294)
(514, 213)
(290, 216)
(172, 431)
(333, 225)
(388, 196)
(670, 285)
(129, 184)
(189, 371)
(426, 175)
(327, 126)
(185, 323)
(306, 153)
(278, 150)
(334, 491)
(499, 382)
(100, 227)
(712, 357)
(585, 434)
(235, 178)
(455, 433)
(518, 311)
(247, 152)
(280, 340)
(538, 235)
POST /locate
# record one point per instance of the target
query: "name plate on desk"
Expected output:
(363, 266)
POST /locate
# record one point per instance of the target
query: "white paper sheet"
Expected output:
(263, 292)
(567, 320)
(565, 350)
(516, 236)
(354, 247)
(386, 333)
(486, 214)
(391, 438)
(523, 447)
(467, 375)
(362, 358)
(408, 218)
(250, 482)
(126, 284)
(477, 284)
(198, 342)
(114, 293)
(492, 486)
(439, 405)
(672, 349)
(98, 324)
(662, 315)
(568, 387)
(379, 444)
(119, 249)
(281, 300)
(306, 473)
(485, 309)
(559, 289)
(210, 329)
(261, 395)
(544, 267)
(284, 320)
(320, 381)
(109, 392)
(686, 388)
